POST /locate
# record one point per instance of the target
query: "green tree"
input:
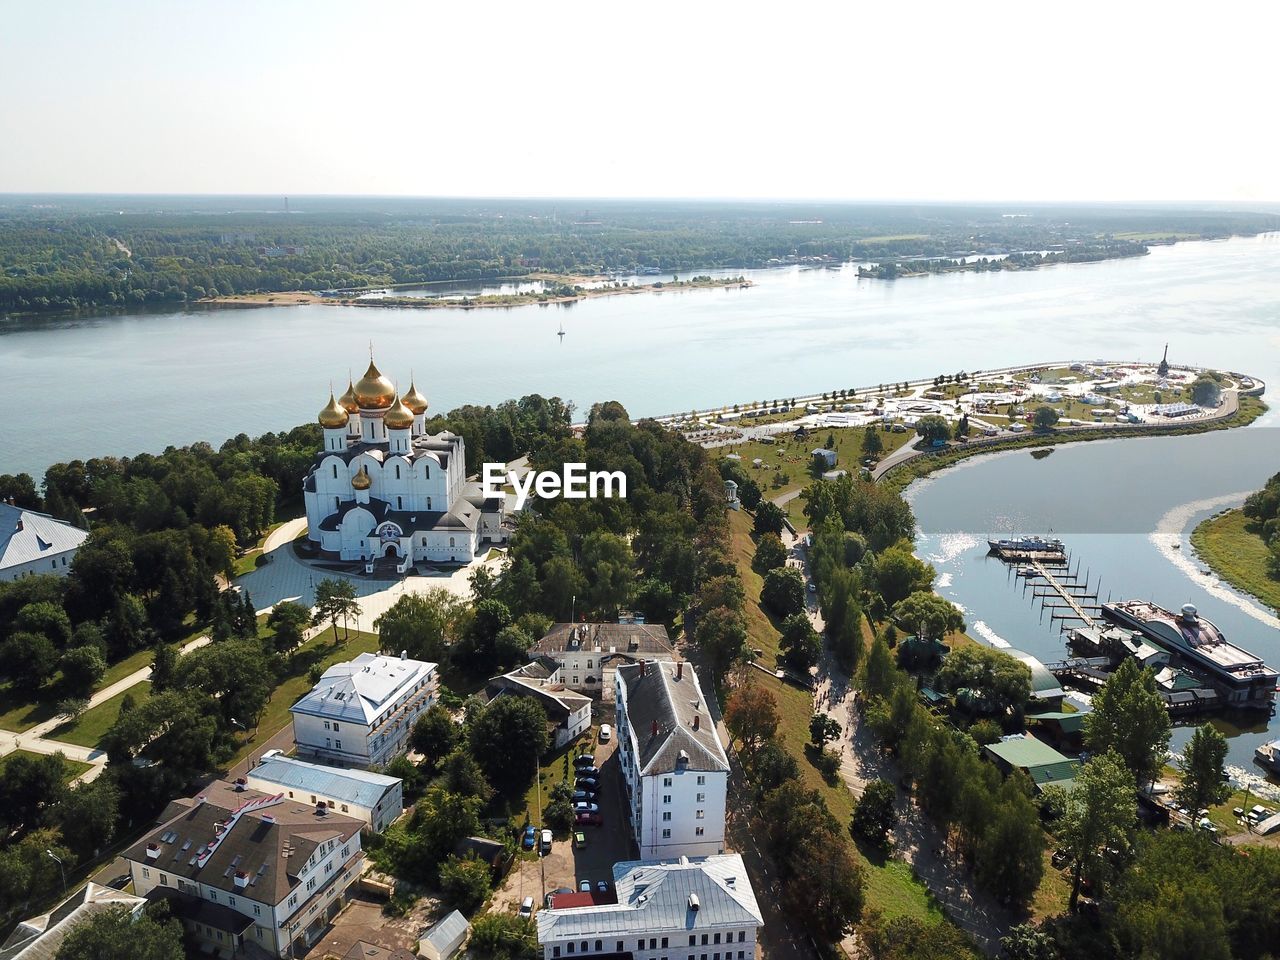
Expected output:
(874, 814)
(769, 518)
(928, 615)
(1206, 391)
(800, 644)
(823, 729)
(1027, 941)
(1099, 814)
(289, 621)
(1203, 769)
(30, 788)
(164, 666)
(29, 659)
(114, 933)
(335, 599)
(47, 618)
(1044, 418)
(1009, 860)
(462, 775)
(507, 739)
(872, 444)
(933, 427)
(503, 936)
(783, 591)
(434, 734)
(898, 574)
(424, 625)
(770, 554)
(751, 716)
(82, 669)
(1129, 717)
(465, 883)
(611, 571)
(721, 634)
(88, 815)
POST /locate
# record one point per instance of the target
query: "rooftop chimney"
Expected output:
(693, 901)
(679, 670)
(19, 523)
(697, 720)
(404, 654)
(654, 731)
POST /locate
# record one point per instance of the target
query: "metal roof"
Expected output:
(363, 689)
(448, 931)
(26, 536)
(661, 702)
(653, 895)
(360, 787)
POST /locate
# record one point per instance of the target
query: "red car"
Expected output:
(589, 820)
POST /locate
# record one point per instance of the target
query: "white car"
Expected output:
(584, 806)
(606, 733)
(526, 907)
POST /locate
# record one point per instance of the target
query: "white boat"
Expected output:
(1027, 544)
(1268, 755)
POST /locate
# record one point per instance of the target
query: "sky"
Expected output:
(1119, 101)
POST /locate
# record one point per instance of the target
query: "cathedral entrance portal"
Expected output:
(391, 550)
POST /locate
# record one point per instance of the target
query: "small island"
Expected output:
(556, 289)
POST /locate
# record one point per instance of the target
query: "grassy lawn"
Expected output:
(1237, 554)
(319, 650)
(248, 560)
(18, 713)
(555, 767)
(73, 767)
(88, 730)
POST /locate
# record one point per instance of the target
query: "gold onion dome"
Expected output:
(362, 480)
(415, 401)
(333, 415)
(373, 390)
(399, 417)
(348, 399)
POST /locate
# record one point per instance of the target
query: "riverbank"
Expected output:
(921, 463)
(1236, 554)
(567, 292)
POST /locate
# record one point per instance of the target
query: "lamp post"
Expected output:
(61, 867)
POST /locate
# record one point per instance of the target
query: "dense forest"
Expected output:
(60, 253)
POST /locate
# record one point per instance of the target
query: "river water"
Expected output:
(113, 383)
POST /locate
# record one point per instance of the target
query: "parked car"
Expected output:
(580, 806)
(587, 772)
(530, 837)
(526, 907)
(546, 841)
(580, 795)
(606, 733)
(584, 886)
(587, 783)
(602, 886)
(579, 840)
(589, 820)
(584, 760)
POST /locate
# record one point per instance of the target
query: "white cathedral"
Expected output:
(383, 487)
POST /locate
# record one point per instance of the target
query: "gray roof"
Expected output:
(447, 931)
(559, 702)
(463, 516)
(360, 787)
(40, 937)
(264, 839)
(364, 689)
(643, 639)
(653, 895)
(661, 711)
(26, 535)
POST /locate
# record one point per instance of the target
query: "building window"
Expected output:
(664, 943)
(599, 945)
(619, 946)
(666, 781)
(702, 797)
(716, 938)
(451, 543)
(555, 951)
(335, 471)
(397, 471)
(639, 944)
(344, 808)
(337, 744)
(742, 935)
(257, 912)
(704, 939)
(164, 881)
(698, 831)
(588, 664)
(702, 781)
(335, 726)
(666, 798)
(570, 946)
(692, 941)
(666, 816)
(326, 724)
(666, 834)
(146, 874)
(213, 895)
(231, 901)
(700, 815)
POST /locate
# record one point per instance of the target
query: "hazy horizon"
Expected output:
(938, 104)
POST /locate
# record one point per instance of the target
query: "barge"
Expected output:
(1241, 679)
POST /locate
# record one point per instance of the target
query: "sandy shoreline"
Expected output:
(290, 298)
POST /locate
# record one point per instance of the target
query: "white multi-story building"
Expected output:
(383, 487)
(372, 797)
(32, 543)
(361, 712)
(242, 867)
(689, 909)
(674, 766)
(588, 653)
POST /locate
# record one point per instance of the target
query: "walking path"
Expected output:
(37, 739)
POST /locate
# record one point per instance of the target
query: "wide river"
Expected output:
(122, 383)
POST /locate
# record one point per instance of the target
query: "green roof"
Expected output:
(1040, 761)
(1042, 681)
(1064, 721)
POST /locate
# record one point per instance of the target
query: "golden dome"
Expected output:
(399, 417)
(414, 401)
(333, 415)
(362, 480)
(373, 390)
(348, 399)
